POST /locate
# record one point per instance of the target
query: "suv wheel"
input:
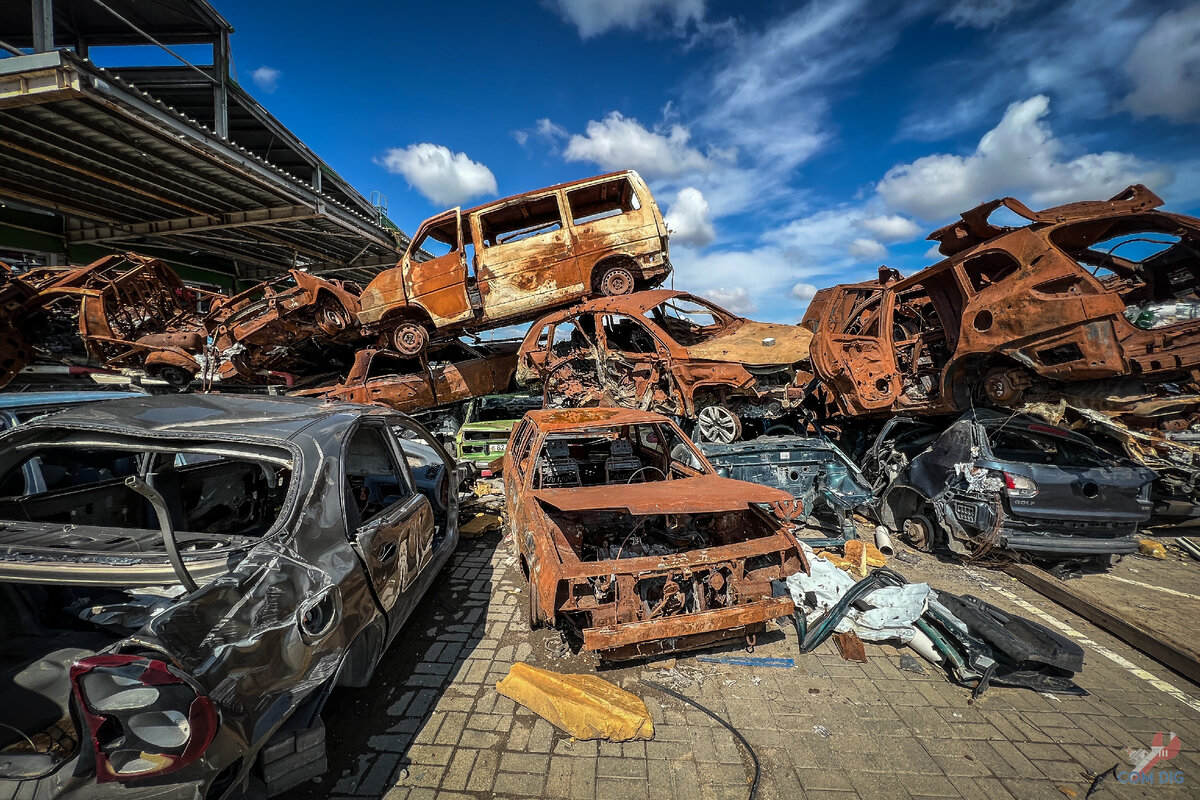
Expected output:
(716, 424)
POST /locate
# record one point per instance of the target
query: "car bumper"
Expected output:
(1058, 544)
(684, 631)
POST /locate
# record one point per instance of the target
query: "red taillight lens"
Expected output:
(1019, 485)
(143, 718)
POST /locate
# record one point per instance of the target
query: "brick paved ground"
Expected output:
(432, 725)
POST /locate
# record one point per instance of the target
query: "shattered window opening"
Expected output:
(438, 241)
(614, 456)
(689, 322)
(602, 200)
(986, 269)
(373, 481)
(386, 365)
(1028, 446)
(537, 217)
(627, 335)
(218, 498)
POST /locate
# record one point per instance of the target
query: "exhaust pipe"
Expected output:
(883, 542)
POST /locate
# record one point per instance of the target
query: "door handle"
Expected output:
(388, 552)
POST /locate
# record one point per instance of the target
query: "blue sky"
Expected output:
(791, 145)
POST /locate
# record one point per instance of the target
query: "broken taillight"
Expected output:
(1019, 485)
(142, 717)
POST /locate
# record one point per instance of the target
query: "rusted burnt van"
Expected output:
(512, 260)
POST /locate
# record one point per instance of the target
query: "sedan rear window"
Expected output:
(1032, 447)
(206, 491)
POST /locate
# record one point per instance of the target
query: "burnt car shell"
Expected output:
(812, 469)
(305, 600)
(640, 568)
(673, 353)
(1008, 481)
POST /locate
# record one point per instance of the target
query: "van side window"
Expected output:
(602, 200)
(520, 221)
(438, 241)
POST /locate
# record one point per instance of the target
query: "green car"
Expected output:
(487, 423)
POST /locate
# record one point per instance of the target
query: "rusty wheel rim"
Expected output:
(617, 281)
(717, 425)
(409, 339)
(333, 321)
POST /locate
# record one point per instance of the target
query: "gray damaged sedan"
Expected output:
(994, 481)
(184, 579)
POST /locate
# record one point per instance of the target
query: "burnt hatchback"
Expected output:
(187, 577)
(994, 481)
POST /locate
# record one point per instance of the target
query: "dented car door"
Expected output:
(390, 522)
(439, 285)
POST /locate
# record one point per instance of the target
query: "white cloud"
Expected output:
(595, 17)
(1165, 68)
(1075, 52)
(933, 254)
(445, 178)
(549, 130)
(891, 228)
(866, 250)
(266, 78)
(982, 13)
(737, 300)
(619, 142)
(1019, 156)
(689, 219)
(803, 292)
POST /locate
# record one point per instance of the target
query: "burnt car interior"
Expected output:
(611, 535)
(614, 456)
(1042, 444)
(214, 498)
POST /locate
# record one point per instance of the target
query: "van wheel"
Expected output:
(716, 424)
(615, 281)
(410, 338)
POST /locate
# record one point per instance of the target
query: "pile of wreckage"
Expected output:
(1034, 395)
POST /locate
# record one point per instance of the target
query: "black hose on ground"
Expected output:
(726, 725)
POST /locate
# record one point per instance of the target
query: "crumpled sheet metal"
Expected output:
(585, 706)
(893, 609)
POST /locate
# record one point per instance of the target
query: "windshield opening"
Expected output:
(613, 456)
(688, 322)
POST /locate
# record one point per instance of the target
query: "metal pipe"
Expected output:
(883, 542)
(152, 40)
(1191, 547)
(14, 50)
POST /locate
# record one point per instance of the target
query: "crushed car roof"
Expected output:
(280, 418)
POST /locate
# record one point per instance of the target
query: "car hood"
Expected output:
(744, 345)
(704, 494)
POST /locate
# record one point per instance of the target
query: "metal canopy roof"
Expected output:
(125, 168)
(87, 22)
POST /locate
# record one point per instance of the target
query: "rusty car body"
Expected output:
(673, 353)
(128, 311)
(509, 261)
(631, 541)
(300, 322)
(1104, 292)
(185, 578)
(446, 373)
